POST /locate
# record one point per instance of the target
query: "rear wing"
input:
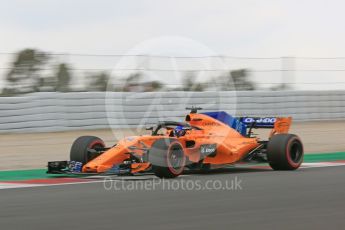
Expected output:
(259, 122)
(277, 124)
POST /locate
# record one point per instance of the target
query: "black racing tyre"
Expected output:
(167, 158)
(285, 152)
(79, 150)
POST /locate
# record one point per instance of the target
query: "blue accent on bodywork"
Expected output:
(75, 166)
(117, 169)
(229, 120)
(259, 122)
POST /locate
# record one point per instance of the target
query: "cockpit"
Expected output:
(172, 129)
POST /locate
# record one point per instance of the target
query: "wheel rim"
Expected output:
(94, 145)
(176, 159)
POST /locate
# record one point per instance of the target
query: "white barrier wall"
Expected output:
(41, 112)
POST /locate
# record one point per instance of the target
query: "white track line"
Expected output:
(322, 164)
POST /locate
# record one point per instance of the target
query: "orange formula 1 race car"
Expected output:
(201, 141)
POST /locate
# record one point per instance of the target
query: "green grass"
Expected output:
(30, 174)
(23, 174)
(324, 157)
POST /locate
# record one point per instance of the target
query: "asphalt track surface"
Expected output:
(305, 199)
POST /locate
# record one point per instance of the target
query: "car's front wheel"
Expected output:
(167, 158)
(84, 148)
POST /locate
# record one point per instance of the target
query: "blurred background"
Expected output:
(33, 70)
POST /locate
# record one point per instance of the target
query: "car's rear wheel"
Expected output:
(84, 148)
(285, 152)
(167, 158)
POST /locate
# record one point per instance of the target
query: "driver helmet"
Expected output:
(179, 131)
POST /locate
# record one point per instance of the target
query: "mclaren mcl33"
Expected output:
(200, 142)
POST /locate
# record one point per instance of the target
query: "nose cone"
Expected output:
(93, 168)
(106, 160)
